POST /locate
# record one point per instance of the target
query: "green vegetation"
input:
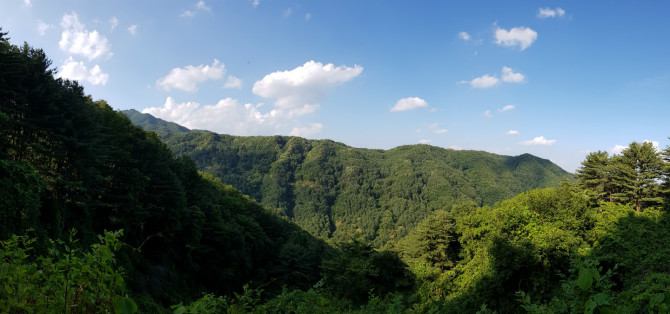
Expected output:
(342, 193)
(457, 236)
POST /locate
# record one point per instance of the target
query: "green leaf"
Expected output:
(585, 280)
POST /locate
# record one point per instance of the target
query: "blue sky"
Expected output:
(556, 79)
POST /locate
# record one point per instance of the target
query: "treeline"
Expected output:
(342, 193)
(69, 162)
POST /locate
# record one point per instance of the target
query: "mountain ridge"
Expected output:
(339, 192)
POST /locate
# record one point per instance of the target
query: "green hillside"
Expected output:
(340, 192)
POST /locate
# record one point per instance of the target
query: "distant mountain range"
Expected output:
(339, 192)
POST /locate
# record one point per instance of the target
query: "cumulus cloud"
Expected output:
(113, 23)
(487, 113)
(187, 78)
(76, 39)
(506, 108)
(509, 76)
(517, 36)
(77, 71)
(305, 86)
(43, 27)
(409, 103)
(313, 128)
(454, 147)
(484, 81)
(540, 140)
(512, 132)
(132, 30)
(226, 116)
(487, 81)
(229, 116)
(544, 13)
(233, 82)
(465, 36)
(425, 141)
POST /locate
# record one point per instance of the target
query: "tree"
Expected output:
(637, 172)
(594, 174)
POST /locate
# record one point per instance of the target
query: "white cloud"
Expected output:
(512, 132)
(454, 147)
(255, 3)
(76, 39)
(74, 70)
(202, 6)
(229, 116)
(288, 12)
(113, 22)
(440, 131)
(617, 149)
(409, 103)
(188, 77)
(233, 82)
(506, 108)
(27, 3)
(425, 141)
(517, 36)
(465, 36)
(43, 27)
(313, 128)
(487, 81)
(305, 86)
(226, 116)
(544, 13)
(484, 81)
(487, 113)
(510, 76)
(132, 30)
(540, 140)
(308, 16)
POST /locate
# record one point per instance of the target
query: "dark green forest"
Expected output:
(342, 193)
(99, 215)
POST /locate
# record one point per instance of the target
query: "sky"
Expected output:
(556, 79)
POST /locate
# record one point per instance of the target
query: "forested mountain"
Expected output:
(151, 123)
(339, 192)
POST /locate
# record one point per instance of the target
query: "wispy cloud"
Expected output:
(464, 35)
(512, 132)
(132, 30)
(506, 108)
(544, 13)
